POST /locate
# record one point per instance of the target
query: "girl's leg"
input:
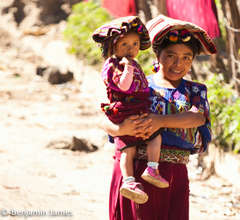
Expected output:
(126, 162)
(130, 188)
(154, 149)
(151, 174)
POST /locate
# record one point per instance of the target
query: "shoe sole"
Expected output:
(132, 195)
(154, 181)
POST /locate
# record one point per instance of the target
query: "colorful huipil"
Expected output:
(188, 95)
(125, 103)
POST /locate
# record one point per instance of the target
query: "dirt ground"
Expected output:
(37, 179)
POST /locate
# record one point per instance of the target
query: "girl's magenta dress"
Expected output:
(135, 100)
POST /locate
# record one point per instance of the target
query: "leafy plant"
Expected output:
(84, 19)
(225, 117)
(145, 58)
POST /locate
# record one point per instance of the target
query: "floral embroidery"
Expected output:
(203, 94)
(195, 89)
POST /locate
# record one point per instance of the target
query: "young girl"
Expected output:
(128, 93)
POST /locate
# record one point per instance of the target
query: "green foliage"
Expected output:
(225, 108)
(145, 58)
(85, 18)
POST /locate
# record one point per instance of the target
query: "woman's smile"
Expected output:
(175, 71)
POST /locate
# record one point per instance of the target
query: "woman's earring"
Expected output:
(155, 67)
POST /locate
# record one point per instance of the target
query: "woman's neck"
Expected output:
(166, 83)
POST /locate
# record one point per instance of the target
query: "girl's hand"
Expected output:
(124, 61)
(127, 63)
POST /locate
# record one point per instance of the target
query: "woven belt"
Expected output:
(167, 155)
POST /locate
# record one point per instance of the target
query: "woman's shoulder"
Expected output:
(194, 86)
(150, 77)
(151, 82)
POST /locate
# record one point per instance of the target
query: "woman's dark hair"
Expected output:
(193, 44)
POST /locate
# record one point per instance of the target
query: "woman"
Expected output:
(181, 109)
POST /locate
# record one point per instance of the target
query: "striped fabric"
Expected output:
(120, 26)
(200, 12)
(159, 27)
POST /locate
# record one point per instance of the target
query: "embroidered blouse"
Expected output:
(170, 101)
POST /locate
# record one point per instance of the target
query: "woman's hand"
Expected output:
(137, 125)
(150, 124)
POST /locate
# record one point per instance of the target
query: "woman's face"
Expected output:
(175, 61)
(127, 46)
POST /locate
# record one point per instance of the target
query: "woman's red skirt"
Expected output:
(163, 204)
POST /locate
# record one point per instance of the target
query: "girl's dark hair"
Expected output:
(107, 48)
(193, 44)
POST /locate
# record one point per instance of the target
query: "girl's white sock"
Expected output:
(129, 179)
(152, 164)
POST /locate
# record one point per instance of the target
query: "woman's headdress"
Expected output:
(177, 31)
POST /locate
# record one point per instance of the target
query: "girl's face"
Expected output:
(175, 62)
(127, 46)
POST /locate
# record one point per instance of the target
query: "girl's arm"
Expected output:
(124, 82)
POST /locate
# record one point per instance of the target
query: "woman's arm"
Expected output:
(187, 119)
(154, 122)
(109, 127)
(145, 125)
